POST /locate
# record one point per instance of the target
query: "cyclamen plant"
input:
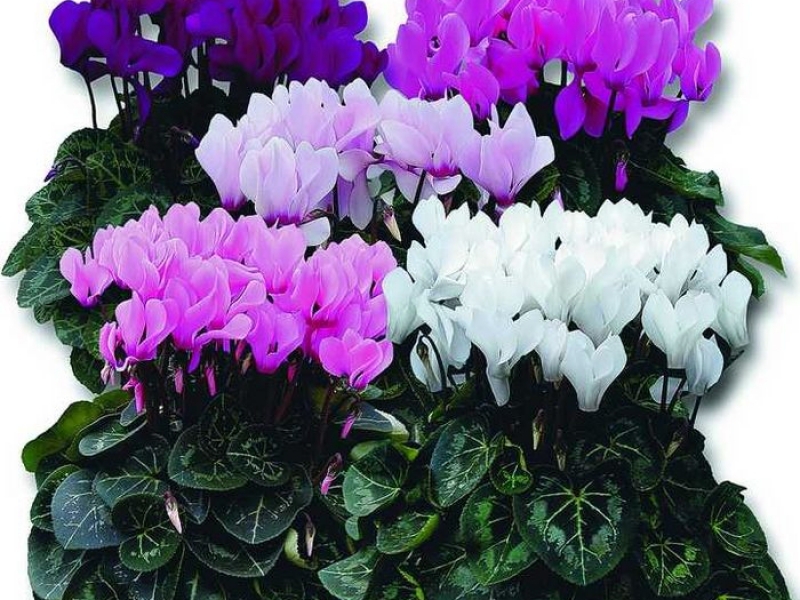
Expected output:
(447, 342)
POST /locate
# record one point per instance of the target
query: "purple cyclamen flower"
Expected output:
(358, 360)
(292, 186)
(70, 22)
(504, 161)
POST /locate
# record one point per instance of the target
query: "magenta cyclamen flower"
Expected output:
(360, 361)
(505, 160)
(231, 286)
(616, 56)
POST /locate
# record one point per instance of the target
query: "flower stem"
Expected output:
(696, 412)
(118, 100)
(610, 116)
(564, 73)
(677, 396)
(665, 391)
(92, 101)
(420, 187)
(326, 416)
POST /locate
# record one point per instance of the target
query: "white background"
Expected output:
(749, 134)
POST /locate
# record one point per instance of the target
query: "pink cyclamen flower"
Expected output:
(89, 280)
(291, 186)
(505, 160)
(220, 154)
(360, 361)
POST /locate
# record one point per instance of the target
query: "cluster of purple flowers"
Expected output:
(306, 152)
(637, 57)
(251, 42)
(236, 286)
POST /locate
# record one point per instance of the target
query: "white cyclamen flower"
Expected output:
(731, 324)
(590, 370)
(675, 330)
(704, 368)
(551, 350)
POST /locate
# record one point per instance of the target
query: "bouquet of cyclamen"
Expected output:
(446, 342)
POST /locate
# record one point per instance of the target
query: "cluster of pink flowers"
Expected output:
(236, 285)
(627, 56)
(307, 153)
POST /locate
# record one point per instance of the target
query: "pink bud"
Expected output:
(351, 420)
(171, 504)
(621, 178)
(332, 471)
(179, 381)
(211, 379)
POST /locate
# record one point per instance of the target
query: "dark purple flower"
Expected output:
(69, 22)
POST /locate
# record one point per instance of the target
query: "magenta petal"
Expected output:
(571, 110)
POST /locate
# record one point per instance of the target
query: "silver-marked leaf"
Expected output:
(225, 554)
(372, 420)
(445, 575)
(734, 525)
(106, 435)
(407, 532)
(197, 583)
(152, 540)
(41, 515)
(158, 585)
(191, 466)
(375, 481)
(196, 504)
(50, 567)
(674, 567)
(138, 474)
(81, 520)
(221, 422)
(350, 579)
(93, 583)
(510, 474)
(258, 515)
(130, 415)
(688, 483)
(496, 550)
(581, 531)
(765, 576)
(253, 453)
(463, 456)
(42, 284)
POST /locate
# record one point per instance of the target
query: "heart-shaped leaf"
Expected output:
(221, 422)
(81, 520)
(254, 454)
(445, 575)
(496, 550)
(734, 525)
(375, 481)
(92, 584)
(256, 515)
(581, 531)
(106, 435)
(196, 583)
(225, 554)
(672, 566)
(59, 437)
(158, 585)
(190, 465)
(461, 459)
(350, 579)
(509, 472)
(50, 567)
(152, 539)
(41, 515)
(42, 284)
(138, 474)
(408, 532)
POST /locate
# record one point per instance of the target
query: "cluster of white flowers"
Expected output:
(563, 285)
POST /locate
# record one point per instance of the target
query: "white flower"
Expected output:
(551, 350)
(675, 330)
(429, 364)
(590, 370)
(685, 254)
(503, 343)
(400, 294)
(731, 324)
(704, 368)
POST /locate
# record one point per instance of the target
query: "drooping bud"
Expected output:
(390, 220)
(332, 472)
(173, 512)
(678, 440)
(561, 451)
(311, 534)
(621, 179)
(180, 382)
(355, 415)
(211, 379)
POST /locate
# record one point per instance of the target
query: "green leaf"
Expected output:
(688, 482)
(223, 420)
(158, 585)
(42, 284)
(668, 170)
(138, 474)
(625, 439)
(87, 370)
(41, 515)
(152, 540)
(349, 579)
(50, 567)
(256, 515)
(445, 575)
(93, 584)
(509, 472)
(130, 415)
(105, 436)
(71, 322)
(372, 420)
(753, 275)
(197, 583)
(375, 481)
(461, 459)
(253, 454)
(352, 527)
(191, 466)
(70, 160)
(131, 203)
(582, 531)
(765, 575)
(496, 550)
(227, 555)
(674, 567)
(27, 251)
(734, 525)
(58, 438)
(581, 184)
(407, 532)
(57, 202)
(116, 168)
(81, 520)
(196, 504)
(747, 241)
